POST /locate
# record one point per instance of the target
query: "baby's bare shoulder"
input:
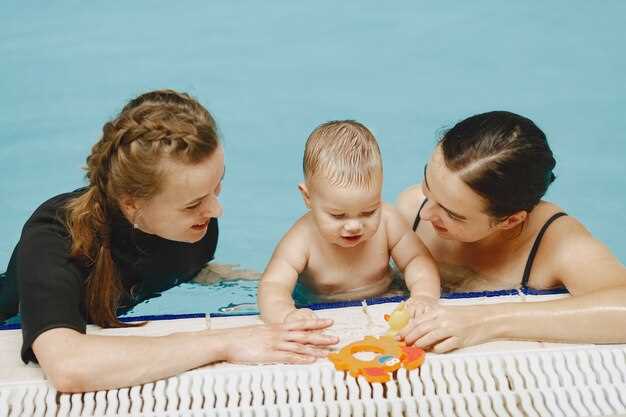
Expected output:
(300, 230)
(298, 236)
(294, 246)
(394, 223)
(392, 217)
(408, 201)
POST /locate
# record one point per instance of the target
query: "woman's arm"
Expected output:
(596, 317)
(75, 362)
(214, 272)
(595, 312)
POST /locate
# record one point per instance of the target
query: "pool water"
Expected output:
(271, 72)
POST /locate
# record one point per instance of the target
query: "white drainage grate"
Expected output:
(566, 382)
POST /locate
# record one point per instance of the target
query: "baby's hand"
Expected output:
(417, 305)
(300, 314)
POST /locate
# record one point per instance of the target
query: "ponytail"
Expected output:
(125, 162)
(88, 224)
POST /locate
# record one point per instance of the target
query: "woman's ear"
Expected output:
(305, 194)
(513, 220)
(129, 207)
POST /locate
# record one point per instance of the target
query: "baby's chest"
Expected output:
(359, 266)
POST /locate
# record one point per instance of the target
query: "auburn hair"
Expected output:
(125, 162)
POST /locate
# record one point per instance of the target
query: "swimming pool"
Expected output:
(270, 73)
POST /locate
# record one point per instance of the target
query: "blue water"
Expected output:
(272, 71)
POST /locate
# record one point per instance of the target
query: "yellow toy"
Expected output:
(391, 355)
(397, 319)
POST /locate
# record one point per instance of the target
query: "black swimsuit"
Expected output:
(48, 285)
(533, 250)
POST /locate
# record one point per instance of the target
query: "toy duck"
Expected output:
(397, 319)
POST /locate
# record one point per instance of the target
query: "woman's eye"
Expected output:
(369, 213)
(337, 216)
(193, 206)
(451, 217)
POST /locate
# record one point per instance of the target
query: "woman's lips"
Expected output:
(352, 238)
(200, 226)
(439, 228)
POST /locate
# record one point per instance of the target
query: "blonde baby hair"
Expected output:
(345, 152)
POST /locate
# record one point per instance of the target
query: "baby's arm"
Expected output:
(412, 257)
(280, 277)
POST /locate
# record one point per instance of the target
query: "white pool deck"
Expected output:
(351, 324)
(497, 378)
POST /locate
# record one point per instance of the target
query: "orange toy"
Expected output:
(391, 355)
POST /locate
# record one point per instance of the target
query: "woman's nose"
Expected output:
(214, 208)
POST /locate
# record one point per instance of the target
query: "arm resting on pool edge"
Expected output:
(75, 362)
(595, 312)
(590, 318)
(596, 317)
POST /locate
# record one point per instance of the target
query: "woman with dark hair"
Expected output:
(479, 210)
(146, 221)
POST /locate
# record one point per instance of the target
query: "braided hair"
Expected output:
(125, 163)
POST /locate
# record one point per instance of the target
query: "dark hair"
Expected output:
(502, 156)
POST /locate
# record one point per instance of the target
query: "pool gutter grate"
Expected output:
(565, 382)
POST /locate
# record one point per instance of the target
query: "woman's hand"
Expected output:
(293, 342)
(445, 328)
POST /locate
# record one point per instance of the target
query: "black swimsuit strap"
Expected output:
(418, 218)
(535, 248)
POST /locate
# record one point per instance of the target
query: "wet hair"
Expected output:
(345, 152)
(503, 157)
(125, 162)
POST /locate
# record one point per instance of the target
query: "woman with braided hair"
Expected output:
(146, 221)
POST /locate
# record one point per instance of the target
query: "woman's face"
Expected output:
(455, 211)
(187, 201)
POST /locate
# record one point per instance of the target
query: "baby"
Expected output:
(341, 247)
